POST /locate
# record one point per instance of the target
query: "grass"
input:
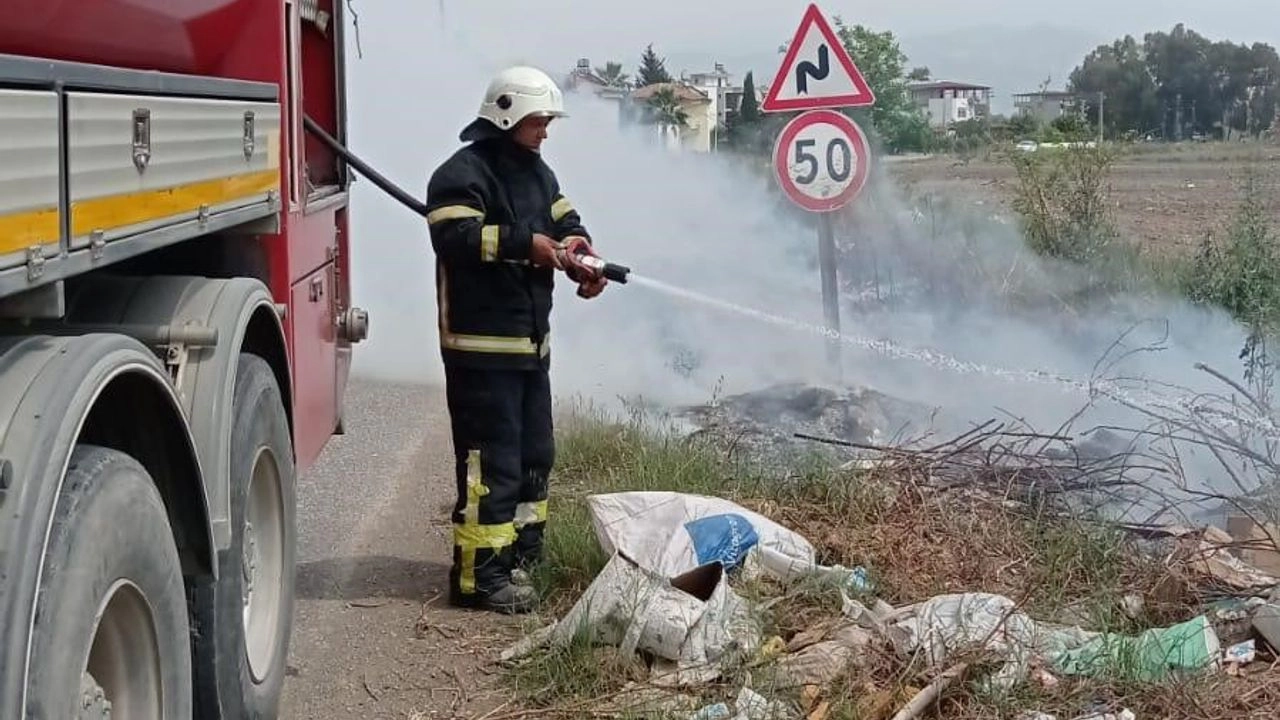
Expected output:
(915, 543)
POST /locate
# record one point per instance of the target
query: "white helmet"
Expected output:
(519, 92)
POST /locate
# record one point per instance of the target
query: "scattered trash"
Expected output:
(1232, 618)
(949, 623)
(719, 711)
(749, 705)
(665, 595)
(754, 706)
(1150, 656)
(1241, 653)
(1260, 548)
(822, 662)
(1205, 551)
(1266, 620)
(693, 619)
(1124, 714)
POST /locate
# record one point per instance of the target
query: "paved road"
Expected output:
(369, 641)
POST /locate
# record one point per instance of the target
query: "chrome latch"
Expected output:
(35, 262)
(249, 141)
(141, 138)
(97, 244)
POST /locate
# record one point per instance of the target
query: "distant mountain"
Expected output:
(1011, 59)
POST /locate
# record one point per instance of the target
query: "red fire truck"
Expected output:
(175, 340)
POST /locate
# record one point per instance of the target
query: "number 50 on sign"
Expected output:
(821, 159)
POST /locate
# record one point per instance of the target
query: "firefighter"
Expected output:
(501, 229)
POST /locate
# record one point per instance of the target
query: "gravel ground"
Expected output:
(373, 637)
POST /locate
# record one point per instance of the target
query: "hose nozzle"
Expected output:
(612, 271)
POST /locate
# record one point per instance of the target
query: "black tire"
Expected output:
(110, 525)
(226, 683)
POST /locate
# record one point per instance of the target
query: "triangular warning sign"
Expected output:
(817, 72)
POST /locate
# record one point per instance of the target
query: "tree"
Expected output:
(1024, 126)
(919, 74)
(1179, 82)
(749, 111)
(665, 109)
(612, 74)
(1179, 63)
(1120, 73)
(896, 118)
(1072, 126)
(653, 69)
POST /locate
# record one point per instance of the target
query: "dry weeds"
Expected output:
(980, 513)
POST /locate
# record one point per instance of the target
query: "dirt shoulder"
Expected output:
(374, 637)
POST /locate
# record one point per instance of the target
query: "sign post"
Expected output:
(821, 158)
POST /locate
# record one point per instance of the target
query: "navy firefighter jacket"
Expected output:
(483, 206)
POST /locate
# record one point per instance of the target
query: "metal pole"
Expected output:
(830, 289)
(1102, 108)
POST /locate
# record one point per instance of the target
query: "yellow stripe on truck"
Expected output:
(19, 231)
(119, 211)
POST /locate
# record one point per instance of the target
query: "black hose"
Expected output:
(387, 186)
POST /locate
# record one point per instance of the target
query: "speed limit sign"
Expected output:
(821, 159)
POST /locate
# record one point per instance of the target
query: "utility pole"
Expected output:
(1102, 107)
(1177, 119)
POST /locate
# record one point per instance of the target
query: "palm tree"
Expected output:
(666, 109)
(612, 74)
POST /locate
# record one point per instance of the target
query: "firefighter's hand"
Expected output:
(573, 247)
(590, 288)
(545, 252)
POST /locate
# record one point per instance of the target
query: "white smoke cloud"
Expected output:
(709, 225)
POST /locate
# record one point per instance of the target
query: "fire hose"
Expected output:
(611, 271)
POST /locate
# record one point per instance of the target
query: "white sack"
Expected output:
(671, 533)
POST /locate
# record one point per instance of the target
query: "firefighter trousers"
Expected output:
(504, 450)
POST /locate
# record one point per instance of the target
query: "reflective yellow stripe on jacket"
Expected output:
(482, 343)
(489, 234)
(560, 208)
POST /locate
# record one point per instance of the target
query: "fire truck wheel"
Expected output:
(252, 605)
(111, 632)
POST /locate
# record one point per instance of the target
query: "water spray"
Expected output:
(1142, 401)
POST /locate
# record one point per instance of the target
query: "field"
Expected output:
(1163, 198)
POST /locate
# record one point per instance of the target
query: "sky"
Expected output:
(956, 40)
(558, 28)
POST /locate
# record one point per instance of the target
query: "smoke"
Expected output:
(710, 225)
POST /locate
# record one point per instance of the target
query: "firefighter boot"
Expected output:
(490, 585)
